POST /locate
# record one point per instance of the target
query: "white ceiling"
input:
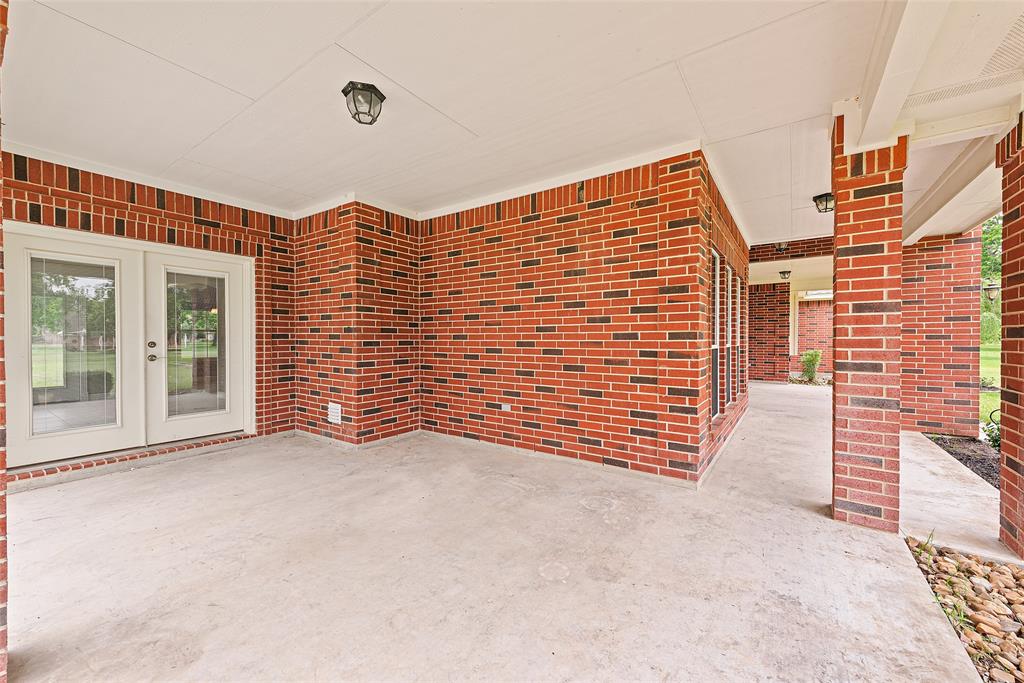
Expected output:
(804, 273)
(240, 101)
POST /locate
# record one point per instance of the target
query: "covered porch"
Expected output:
(445, 557)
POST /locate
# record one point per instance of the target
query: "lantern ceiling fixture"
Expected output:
(364, 101)
(781, 247)
(784, 274)
(992, 290)
(825, 202)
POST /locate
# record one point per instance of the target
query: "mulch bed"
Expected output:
(984, 601)
(818, 381)
(977, 455)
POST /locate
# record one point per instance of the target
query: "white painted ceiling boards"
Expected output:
(241, 101)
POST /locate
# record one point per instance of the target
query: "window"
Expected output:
(729, 350)
(716, 328)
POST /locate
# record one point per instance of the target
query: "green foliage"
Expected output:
(992, 249)
(810, 361)
(990, 327)
(991, 431)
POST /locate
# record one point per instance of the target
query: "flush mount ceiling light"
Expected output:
(363, 100)
(784, 274)
(825, 202)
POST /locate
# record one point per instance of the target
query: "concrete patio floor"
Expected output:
(431, 558)
(943, 498)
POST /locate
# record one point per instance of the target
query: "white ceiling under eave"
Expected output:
(240, 101)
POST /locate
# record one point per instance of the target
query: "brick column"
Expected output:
(1011, 498)
(941, 330)
(868, 187)
(3, 411)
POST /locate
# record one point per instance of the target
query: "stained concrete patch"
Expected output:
(435, 558)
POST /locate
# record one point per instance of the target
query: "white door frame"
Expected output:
(248, 288)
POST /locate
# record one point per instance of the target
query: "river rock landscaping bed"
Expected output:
(974, 454)
(984, 602)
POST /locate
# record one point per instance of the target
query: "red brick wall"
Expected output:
(769, 332)
(941, 327)
(813, 332)
(574, 321)
(868, 187)
(65, 198)
(817, 246)
(1011, 422)
(357, 323)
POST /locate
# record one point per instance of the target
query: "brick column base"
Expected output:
(868, 188)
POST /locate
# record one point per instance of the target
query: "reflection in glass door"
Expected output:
(196, 344)
(73, 325)
(113, 344)
(74, 345)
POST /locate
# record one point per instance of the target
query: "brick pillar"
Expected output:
(1011, 471)
(3, 411)
(941, 331)
(868, 187)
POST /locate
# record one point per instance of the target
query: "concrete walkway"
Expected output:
(433, 558)
(942, 497)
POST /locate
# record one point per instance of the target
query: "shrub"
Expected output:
(990, 327)
(991, 432)
(810, 361)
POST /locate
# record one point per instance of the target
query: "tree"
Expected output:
(992, 249)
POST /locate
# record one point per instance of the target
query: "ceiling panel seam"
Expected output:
(452, 119)
(148, 52)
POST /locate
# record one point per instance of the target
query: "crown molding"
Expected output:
(335, 201)
(621, 164)
(141, 178)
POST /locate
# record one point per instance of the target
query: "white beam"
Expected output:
(967, 127)
(974, 160)
(904, 37)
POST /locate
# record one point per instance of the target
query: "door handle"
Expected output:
(152, 357)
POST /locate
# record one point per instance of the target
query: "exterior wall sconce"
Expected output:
(991, 291)
(364, 101)
(781, 247)
(784, 274)
(825, 202)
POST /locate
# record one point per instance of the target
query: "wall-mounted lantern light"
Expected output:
(363, 100)
(991, 290)
(825, 202)
(784, 274)
(781, 247)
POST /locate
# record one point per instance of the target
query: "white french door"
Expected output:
(115, 344)
(194, 336)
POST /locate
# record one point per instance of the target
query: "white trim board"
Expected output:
(650, 156)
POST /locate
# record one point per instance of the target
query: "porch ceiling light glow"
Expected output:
(825, 202)
(364, 101)
(784, 274)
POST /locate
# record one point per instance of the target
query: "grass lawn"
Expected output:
(989, 400)
(50, 361)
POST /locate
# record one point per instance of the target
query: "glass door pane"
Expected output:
(196, 344)
(74, 345)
